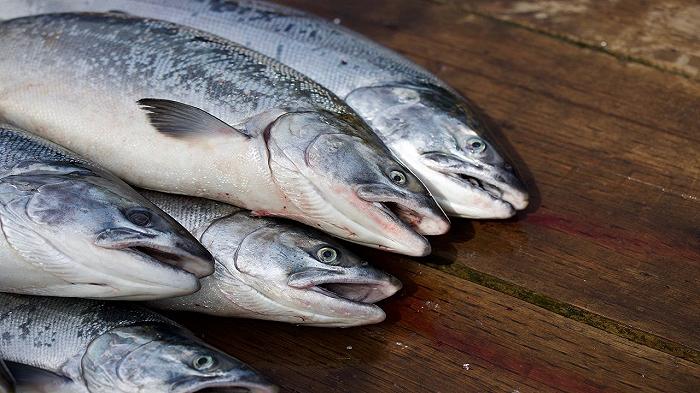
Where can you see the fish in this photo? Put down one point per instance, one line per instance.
(270, 268)
(98, 346)
(173, 109)
(70, 228)
(427, 124)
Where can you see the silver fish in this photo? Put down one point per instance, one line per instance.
(111, 347)
(268, 268)
(70, 228)
(173, 109)
(428, 125)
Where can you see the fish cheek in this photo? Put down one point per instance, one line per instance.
(64, 204)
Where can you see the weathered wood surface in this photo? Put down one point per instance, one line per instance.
(665, 33)
(611, 150)
(447, 335)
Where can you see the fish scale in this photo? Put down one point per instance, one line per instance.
(32, 335)
(18, 147)
(173, 109)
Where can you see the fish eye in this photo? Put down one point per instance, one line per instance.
(398, 177)
(141, 218)
(476, 145)
(327, 254)
(203, 362)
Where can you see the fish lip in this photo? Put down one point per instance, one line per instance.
(400, 212)
(172, 257)
(380, 288)
(256, 386)
(511, 191)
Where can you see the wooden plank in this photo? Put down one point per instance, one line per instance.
(447, 335)
(611, 151)
(665, 33)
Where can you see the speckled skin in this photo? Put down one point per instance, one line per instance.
(53, 333)
(414, 112)
(103, 347)
(60, 216)
(256, 259)
(86, 72)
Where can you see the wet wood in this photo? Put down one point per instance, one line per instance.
(610, 150)
(447, 335)
(665, 34)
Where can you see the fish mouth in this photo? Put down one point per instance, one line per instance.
(237, 388)
(423, 216)
(489, 181)
(255, 385)
(357, 291)
(172, 257)
(175, 252)
(353, 297)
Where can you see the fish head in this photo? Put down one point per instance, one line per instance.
(111, 232)
(159, 357)
(352, 185)
(298, 274)
(439, 137)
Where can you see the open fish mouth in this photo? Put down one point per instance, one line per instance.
(171, 257)
(238, 388)
(492, 182)
(253, 385)
(361, 291)
(422, 216)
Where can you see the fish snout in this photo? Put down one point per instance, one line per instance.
(419, 210)
(496, 182)
(178, 250)
(362, 284)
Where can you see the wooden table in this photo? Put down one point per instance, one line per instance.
(597, 286)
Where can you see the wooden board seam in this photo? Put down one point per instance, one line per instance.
(572, 312)
(566, 39)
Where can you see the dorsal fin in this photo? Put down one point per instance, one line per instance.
(185, 121)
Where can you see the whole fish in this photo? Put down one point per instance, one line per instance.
(428, 125)
(174, 109)
(268, 268)
(111, 347)
(70, 228)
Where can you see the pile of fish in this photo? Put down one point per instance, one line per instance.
(276, 117)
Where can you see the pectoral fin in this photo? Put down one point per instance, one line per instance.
(180, 120)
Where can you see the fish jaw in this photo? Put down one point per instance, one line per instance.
(425, 216)
(379, 226)
(183, 253)
(126, 274)
(497, 183)
(342, 297)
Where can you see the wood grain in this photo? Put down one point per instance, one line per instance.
(448, 335)
(664, 34)
(610, 150)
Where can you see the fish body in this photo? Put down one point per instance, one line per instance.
(174, 109)
(111, 347)
(427, 124)
(268, 268)
(69, 228)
